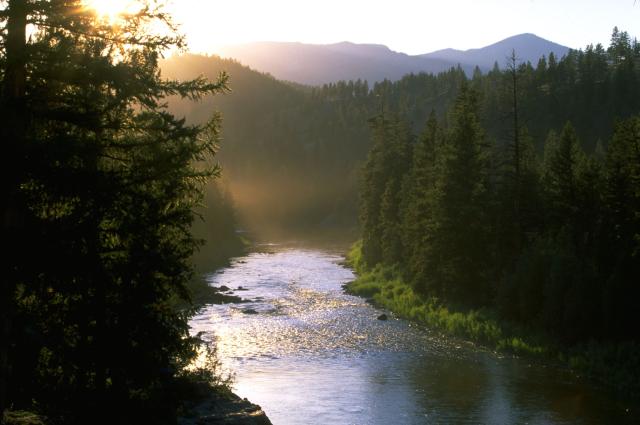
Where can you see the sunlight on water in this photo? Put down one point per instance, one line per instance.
(310, 354)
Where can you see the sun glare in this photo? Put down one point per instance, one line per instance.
(111, 10)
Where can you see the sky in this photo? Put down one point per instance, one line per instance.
(407, 26)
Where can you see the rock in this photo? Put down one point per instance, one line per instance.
(240, 288)
(249, 311)
(382, 317)
(226, 299)
(225, 410)
(224, 288)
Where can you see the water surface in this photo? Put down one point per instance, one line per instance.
(310, 354)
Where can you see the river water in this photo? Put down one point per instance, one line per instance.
(310, 354)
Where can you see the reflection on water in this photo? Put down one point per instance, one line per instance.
(310, 354)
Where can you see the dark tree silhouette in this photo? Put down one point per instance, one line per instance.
(100, 183)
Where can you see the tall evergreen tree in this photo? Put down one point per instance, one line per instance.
(563, 158)
(461, 222)
(13, 127)
(107, 181)
(417, 214)
(383, 173)
(622, 243)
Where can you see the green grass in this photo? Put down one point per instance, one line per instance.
(386, 289)
(614, 365)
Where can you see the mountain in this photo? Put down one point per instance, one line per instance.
(316, 64)
(528, 48)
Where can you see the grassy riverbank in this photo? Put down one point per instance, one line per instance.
(617, 366)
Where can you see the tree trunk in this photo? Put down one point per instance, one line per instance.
(13, 111)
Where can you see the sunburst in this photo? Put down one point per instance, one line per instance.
(112, 10)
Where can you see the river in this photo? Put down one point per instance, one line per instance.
(310, 354)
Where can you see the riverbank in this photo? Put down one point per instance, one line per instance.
(615, 366)
(211, 408)
(218, 405)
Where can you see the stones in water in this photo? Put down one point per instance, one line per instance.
(383, 317)
(249, 311)
(224, 288)
(226, 299)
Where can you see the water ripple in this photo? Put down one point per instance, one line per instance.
(310, 354)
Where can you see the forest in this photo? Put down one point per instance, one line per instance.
(292, 154)
(540, 225)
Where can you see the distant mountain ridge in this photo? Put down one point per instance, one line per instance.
(316, 64)
(528, 48)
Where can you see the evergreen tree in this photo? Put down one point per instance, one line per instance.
(107, 181)
(461, 222)
(621, 247)
(13, 128)
(563, 158)
(419, 195)
(391, 242)
(386, 165)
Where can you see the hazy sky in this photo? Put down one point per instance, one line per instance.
(410, 26)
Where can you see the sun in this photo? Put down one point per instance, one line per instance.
(112, 10)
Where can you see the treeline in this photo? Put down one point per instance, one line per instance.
(99, 187)
(292, 153)
(548, 238)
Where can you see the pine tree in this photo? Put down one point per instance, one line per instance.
(13, 128)
(563, 157)
(373, 184)
(417, 214)
(391, 242)
(108, 181)
(461, 222)
(622, 242)
(383, 174)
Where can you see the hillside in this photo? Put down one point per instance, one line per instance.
(277, 140)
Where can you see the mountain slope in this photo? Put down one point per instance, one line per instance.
(315, 64)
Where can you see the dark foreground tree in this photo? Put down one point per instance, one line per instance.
(99, 186)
